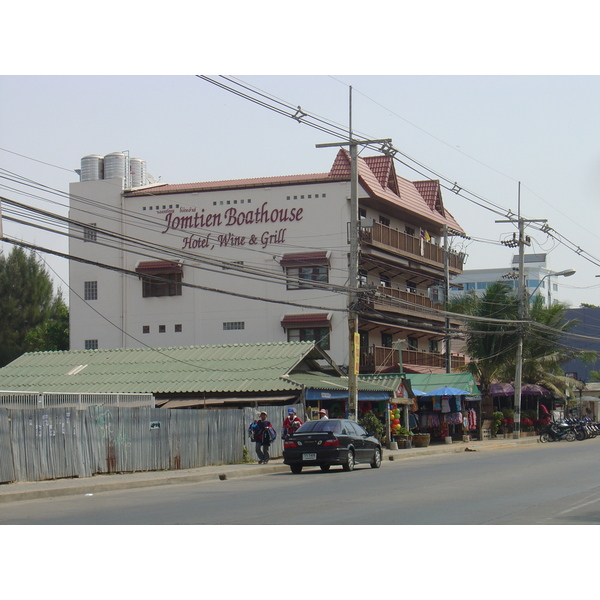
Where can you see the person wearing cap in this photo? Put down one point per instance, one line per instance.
(323, 414)
(262, 437)
(291, 423)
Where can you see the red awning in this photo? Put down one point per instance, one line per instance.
(305, 258)
(307, 320)
(159, 266)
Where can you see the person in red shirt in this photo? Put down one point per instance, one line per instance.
(291, 423)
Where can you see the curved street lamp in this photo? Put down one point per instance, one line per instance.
(565, 273)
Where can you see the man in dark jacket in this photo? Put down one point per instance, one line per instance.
(263, 438)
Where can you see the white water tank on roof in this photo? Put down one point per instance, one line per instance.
(92, 168)
(115, 166)
(137, 172)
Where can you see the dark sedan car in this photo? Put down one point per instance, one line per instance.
(331, 442)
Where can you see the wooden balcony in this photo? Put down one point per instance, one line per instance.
(407, 245)
(376, 358)
(410, 303)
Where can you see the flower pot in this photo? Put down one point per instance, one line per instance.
(403, 441)
(421, 440)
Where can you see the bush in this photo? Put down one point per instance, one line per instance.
(372, 424)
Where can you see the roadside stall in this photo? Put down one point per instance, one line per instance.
(447, 407)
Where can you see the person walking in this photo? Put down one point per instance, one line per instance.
(291, 423)
(263, 438)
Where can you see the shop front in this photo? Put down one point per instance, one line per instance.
(447, 407)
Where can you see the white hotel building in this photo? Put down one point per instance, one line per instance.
(259, 260)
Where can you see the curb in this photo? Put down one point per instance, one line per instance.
(14, 492)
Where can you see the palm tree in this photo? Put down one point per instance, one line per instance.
(491, 335)
(543, 349)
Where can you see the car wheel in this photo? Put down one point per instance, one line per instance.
(296, 469)
(376, 462)
(325, 467)
(349, 464)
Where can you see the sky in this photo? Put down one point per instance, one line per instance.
(500, 137)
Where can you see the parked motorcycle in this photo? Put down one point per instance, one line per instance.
(555, 432)
(580, 429)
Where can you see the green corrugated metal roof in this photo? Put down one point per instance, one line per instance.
(323, 381)
(428, 382)
(195, 369)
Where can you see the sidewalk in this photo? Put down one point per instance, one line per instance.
(12, 492)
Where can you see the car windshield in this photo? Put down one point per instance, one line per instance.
(321, 425)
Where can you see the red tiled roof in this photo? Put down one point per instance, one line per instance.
(377, 176)
(430, 190)
(306, 320)
(404, 194)
(230, 184)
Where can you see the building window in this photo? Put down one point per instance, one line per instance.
(411, 287)
(90, 290)
(384, 281)
(434, 346)
(362, 277)
(386, 340)
(232, 325)
(384, 221)
(165, 284)
(90, 344)
(300, 277)
(145, 328)
(89, 233)
(362, 213)
(162, 329)
(310, 334)
(482, 285)
(160, 278)
(409, 231)
(178, 328)
(412, 343)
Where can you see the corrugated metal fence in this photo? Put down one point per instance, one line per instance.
(51, 443)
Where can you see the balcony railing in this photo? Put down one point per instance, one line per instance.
(381, 235)
(376, 358)
(411, 302)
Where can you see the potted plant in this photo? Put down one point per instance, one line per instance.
(402, 436)
(421, 440)
(508, 421)
(372, 424)
(496, 422)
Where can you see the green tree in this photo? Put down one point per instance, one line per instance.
(53, 334)
(28, 305)
(543, 348)
(491, 341)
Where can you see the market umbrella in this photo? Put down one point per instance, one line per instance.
(448, 391)
(418, 392)
(502, 389)
(532, 389)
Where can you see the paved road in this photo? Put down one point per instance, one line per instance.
(544, 484)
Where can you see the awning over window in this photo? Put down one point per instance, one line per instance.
(305, 258)
(154, 267)
(306, 320)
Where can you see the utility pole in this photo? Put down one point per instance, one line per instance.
(522, 307)
(353, 283)
(446, 300)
